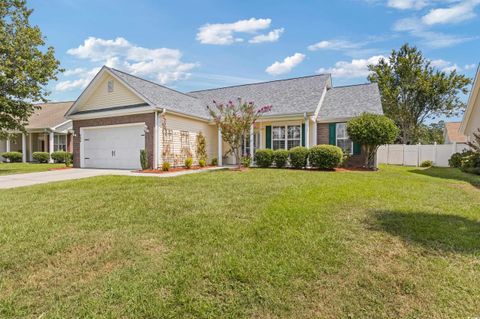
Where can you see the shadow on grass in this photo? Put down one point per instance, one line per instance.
(435, 232)
(449, 173)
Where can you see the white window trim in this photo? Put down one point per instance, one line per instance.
(56, 143)
(346, 137)
(286, 139)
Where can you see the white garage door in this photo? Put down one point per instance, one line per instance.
(113, 147)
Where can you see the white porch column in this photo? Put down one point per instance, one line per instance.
(24, 148)
(30, 147)
(155, 143)
(50, 145)
(8, 145)
(307, 132)
(314, 142)
(220, 141)
(252, 136)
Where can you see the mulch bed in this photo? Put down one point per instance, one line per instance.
(173, 169)
(59, 168)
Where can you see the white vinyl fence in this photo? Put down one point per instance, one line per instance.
(414, 155)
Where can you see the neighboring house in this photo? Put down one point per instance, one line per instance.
(47, 131)
(471, 118)
(451, 133)
(118, 114)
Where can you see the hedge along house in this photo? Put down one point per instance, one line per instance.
(47, 131)
(119, 114)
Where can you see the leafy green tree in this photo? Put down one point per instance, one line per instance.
(371, 131)
(26, 66)
(429, 134)
(412, 90)
(235, 120)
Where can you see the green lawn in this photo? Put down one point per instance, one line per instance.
(19, 168)
(398, 243)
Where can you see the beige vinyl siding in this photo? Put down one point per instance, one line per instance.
(100, 98)
(178, 124)
(474, 121)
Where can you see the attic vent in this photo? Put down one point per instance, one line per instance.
(110, 86)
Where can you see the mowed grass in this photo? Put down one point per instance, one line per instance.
(267, 243)
(20, 168)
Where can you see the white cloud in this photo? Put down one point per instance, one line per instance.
(224, 33)
(447, 66)
(272, 36)
(335, 45)
(83, 77)
(354, 69)
(429, 38)
(454, 14)
(286, 65)
(407, 4)
(162, 65)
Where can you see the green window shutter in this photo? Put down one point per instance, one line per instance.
(268, 137)
(357, 149)
(303, 134)
(332, 133)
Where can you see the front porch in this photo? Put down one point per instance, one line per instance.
(37, 141)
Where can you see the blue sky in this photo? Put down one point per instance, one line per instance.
(191, 45)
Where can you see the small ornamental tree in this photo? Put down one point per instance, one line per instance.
(371, 131)
(234, 121)
(201, 147)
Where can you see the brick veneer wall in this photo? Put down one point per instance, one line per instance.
(148, 118)
(323, 138)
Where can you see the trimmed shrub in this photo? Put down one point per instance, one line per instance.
(214, 161)
(264, 157)
(202, 163)
(325, 156)
(427, 163)
(246, 161)
(298, 156)
(165, 166)
(471, 163)
(62, 157)
(144, 159)
(13, 157)
(41, 157)
(280, 157)
(456, 159)
(188, 162)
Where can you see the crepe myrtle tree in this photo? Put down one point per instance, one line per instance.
(235, 120)
(371, 131)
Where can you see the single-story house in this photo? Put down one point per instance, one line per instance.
(47, 131)
(118, 114)
(451, 133)
(471, 118)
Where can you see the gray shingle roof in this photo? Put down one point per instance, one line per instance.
(351, 101)
(48, 115)
(162, 96)
(291, 96)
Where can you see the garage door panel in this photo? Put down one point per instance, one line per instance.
(113, 147)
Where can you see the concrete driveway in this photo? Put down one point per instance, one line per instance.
(19, 180)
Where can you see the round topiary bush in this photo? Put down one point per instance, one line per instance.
(280, 157)
(325, 156)
(41, 157)
(264, 157)
(62, 157)
(456, 159)
(298, 156)
(427, 163)
(13, 157)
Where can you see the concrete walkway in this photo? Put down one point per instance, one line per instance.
(19, 180)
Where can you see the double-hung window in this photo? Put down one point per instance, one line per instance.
(59, 142)
(342, 140)
(286, 137)
(278, 137)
